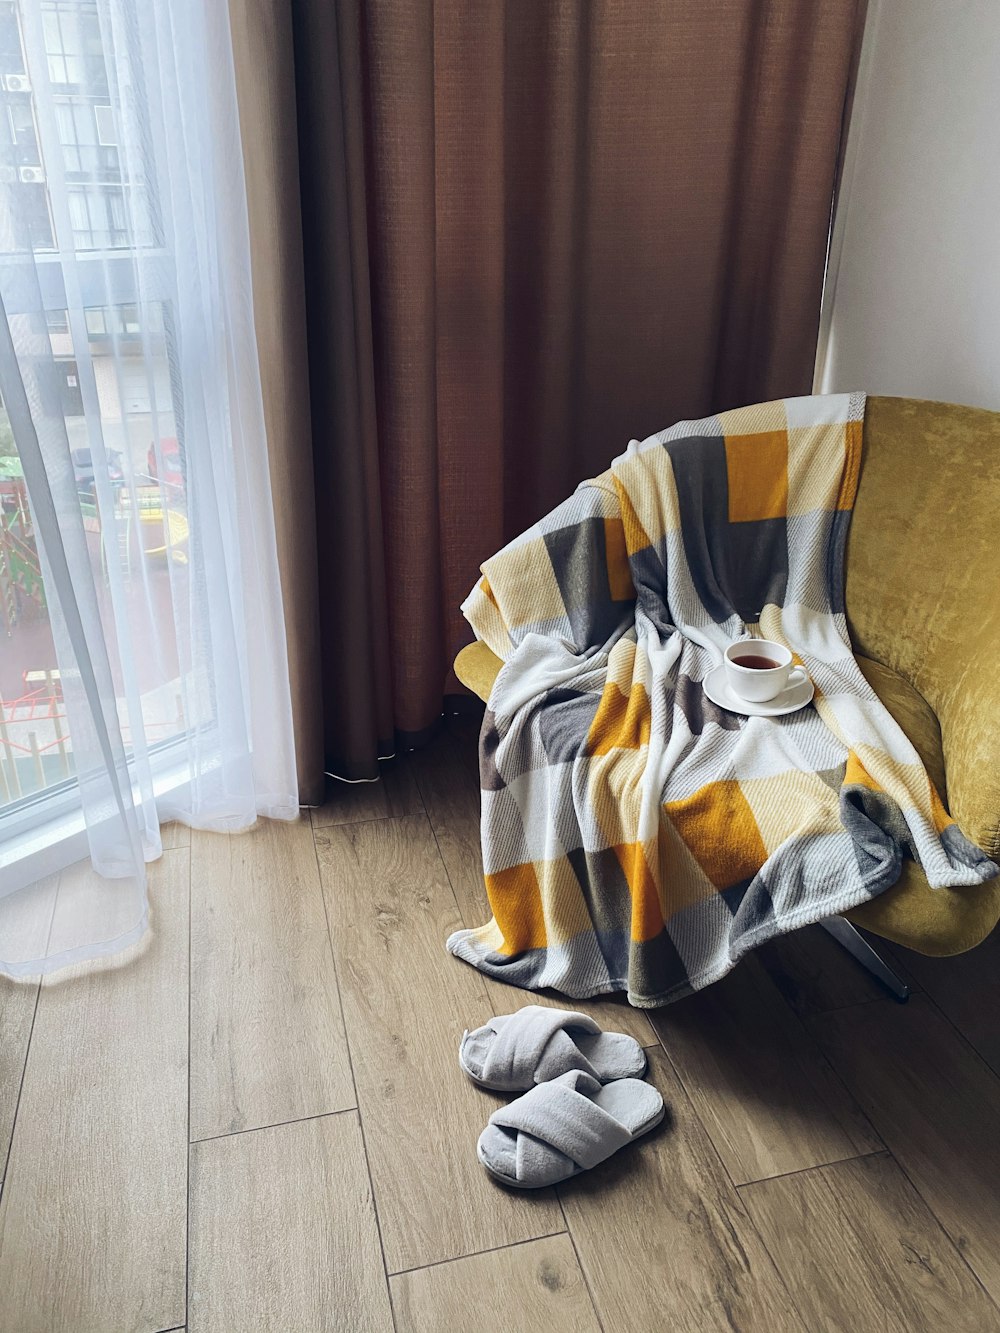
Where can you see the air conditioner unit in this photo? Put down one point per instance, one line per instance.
(32, 175)
(17, 83)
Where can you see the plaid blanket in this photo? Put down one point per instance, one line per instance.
(635, 836)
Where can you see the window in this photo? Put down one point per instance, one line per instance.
(132, 491)
(33, 221)
(87, 157)
(106, 132)
(11, 54)
(84, 157)
(23, 135)
(33, 751)
(73, 46)
(144, 506)
(142, 561)
(97, 216)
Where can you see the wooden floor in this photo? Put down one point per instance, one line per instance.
(257, 1121)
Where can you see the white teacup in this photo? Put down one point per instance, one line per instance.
(759, 669)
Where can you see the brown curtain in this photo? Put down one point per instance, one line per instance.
(532, 231)
(265, 85)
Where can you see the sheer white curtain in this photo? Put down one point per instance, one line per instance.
(143, 673)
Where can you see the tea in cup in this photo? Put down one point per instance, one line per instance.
(760, 669)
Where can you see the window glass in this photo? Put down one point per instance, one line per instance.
(113, 386)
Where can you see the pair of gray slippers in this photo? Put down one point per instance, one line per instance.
(585, 1095)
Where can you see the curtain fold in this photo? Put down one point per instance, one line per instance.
(143, 669)
(531, 232)
(265, 83)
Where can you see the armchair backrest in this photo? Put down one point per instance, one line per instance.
(923, 581)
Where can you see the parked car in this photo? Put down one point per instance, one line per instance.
(173, 463)
(83, 468)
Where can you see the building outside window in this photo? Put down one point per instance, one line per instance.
(61, 156)
(74, 48)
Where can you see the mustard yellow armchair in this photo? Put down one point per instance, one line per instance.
(923, 604)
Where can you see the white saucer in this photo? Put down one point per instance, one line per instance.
(790, 700)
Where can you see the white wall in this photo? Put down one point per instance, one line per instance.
(912, 304)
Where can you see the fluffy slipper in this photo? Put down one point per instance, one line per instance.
(537, 1044)
(559, 1129)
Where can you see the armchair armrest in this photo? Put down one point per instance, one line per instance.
(477, 667)
(970, 739)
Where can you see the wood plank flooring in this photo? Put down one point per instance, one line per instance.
(665, 1239)
(94, 1206)
(289, 1209)
(936, 1105)
(255, 1120)
(17, 1013)
(865, 1219)
(764, 1091)
(534, 1288)
(267, 1038)
(406, 1005)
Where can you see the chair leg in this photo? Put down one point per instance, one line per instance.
(856, 945)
